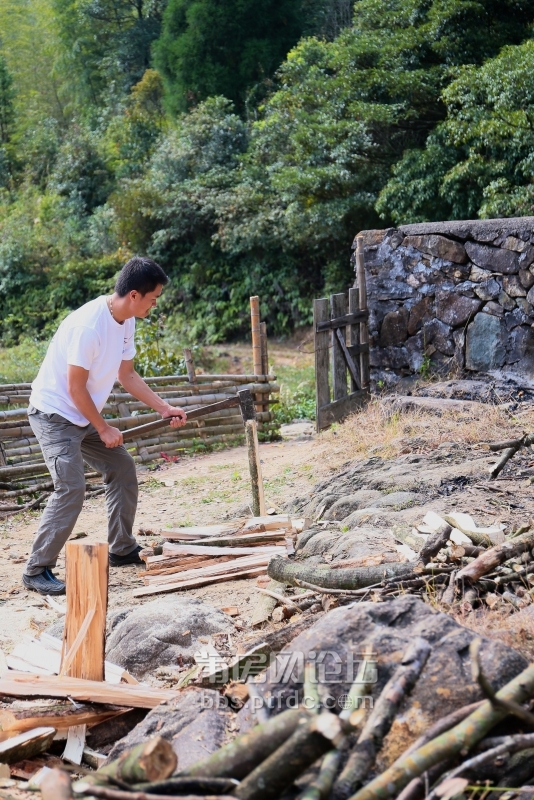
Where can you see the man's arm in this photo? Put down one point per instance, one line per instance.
(77, 388)
(134, 384)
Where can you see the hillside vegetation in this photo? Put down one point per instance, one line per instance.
(243, 145)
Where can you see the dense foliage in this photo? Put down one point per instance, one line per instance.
(243, 146)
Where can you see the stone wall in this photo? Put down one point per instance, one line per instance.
(456, 296)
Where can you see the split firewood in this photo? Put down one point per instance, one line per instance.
(363, 755)
(463, 736)
(56, 785)
(435, 542)
(285, 571)
(60, 716)
(149, 761)
(311, 740)
(26, 745)
(494, 556)
(266, 603)
(320, 787)
(240, 757)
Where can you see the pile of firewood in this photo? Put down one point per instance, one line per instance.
(265, 762)
(469, 574)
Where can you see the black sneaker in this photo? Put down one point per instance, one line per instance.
(44, 583)
(124, 561)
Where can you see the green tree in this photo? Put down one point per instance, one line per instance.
(479, 161)
(210, 47)
(7, 94)
(106, 46)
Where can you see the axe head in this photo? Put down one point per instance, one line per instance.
(246, 404)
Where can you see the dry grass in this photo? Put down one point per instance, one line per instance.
(379, 430)
(513, 628)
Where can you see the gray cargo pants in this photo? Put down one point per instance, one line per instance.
(65, 447)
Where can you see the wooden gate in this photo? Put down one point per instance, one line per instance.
(340, 324)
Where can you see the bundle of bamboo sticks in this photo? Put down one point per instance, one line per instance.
(21, 461)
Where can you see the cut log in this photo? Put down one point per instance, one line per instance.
(239, 757)
(59, 716)
(20, 684)
(310, 741)
(192, 583)
(56, 785)
(494, 556)
(270, 522)
(434, 543)
(26, 745)
(85, 620)
(154, 760)
(285, 571)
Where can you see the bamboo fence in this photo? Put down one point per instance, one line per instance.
(21, 460)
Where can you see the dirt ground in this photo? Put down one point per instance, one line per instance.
(209, 488)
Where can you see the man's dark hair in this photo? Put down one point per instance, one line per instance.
(140, 274)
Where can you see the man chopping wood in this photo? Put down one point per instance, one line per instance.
(92, 347)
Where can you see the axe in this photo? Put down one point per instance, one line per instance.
(244, 401)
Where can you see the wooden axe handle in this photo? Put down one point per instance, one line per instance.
(132, 433)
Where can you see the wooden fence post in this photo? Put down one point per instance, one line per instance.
(354, 306)
(321, 313)
(87, 600)
(339, 366)
(256, 334)
(364, 331)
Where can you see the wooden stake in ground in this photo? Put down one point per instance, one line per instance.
(190, 367)
(85, 621)
(256, 477)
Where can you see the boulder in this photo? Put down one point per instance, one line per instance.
(419, 313)
(194, 724)
(530, 296)
(438, 246)
(394, 328)
(517, 344)
(440, 335)
(494, 309)
(478, 275)
(487, 290)
(351, 502)
(513, 243)
(494, 258)
(485, 348)
(335, 644)
(394, 500)
(514, 318)
(157, 633)
(513, 286)
(454, 309)
(506, 302)
(526, 278)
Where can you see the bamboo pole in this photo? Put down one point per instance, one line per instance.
(87, 599)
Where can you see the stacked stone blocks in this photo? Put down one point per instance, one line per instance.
(454, 295)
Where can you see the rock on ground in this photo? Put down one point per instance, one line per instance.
(335, 644)
(194, 724)
(156, 634)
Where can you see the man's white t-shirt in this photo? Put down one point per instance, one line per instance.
(90, 338)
